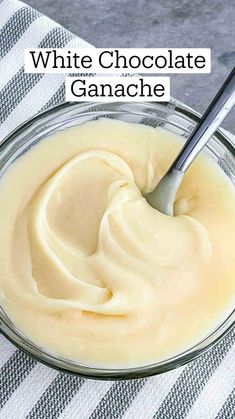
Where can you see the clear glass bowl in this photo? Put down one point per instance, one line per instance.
(173, 116)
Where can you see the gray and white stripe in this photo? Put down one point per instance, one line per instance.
(117, 400)
(192, 380)
(33, 391)
(22, 82)
(13, 373)
(228, 409)
(56, 397)
(15, 27)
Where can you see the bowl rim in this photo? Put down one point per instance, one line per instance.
(61, 364)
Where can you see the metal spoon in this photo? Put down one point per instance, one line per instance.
(163, 196)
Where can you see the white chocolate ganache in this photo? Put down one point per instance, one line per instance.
(89, 270)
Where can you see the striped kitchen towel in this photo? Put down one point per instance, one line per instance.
(204, 389)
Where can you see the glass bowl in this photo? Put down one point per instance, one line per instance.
(173, 116)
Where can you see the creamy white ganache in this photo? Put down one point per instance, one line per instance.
(89, 270)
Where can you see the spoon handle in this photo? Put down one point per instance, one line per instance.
(213, 117)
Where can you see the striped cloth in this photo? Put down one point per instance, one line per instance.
(204, 389)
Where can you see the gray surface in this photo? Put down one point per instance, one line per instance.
(158, 23)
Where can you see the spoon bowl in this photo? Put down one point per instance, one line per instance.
(163, 196)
